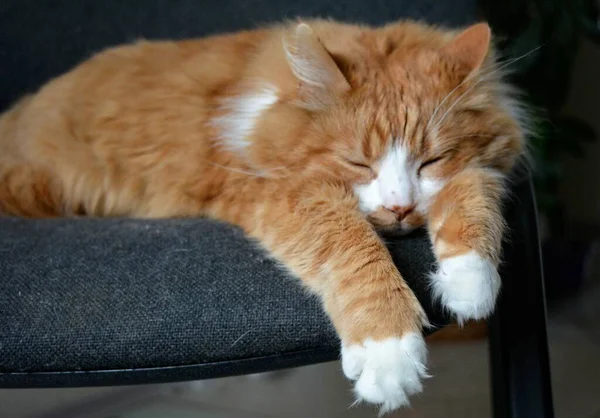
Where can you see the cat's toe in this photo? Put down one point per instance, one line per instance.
(391, 370)
(467, 285)
(353, 360)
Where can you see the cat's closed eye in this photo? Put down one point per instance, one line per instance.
(431, 162)
(361, 167)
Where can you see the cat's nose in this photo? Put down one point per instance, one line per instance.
(402, 211)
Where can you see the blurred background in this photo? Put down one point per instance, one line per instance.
(560, 79)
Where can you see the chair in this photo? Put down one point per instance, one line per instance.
(118, 301)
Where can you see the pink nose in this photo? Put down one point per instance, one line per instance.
(402, 211)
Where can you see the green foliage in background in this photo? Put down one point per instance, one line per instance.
(556, 27)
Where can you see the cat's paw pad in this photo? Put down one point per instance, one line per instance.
(388, 371)
(467, 285)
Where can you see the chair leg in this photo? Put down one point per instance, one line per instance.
(518, 344)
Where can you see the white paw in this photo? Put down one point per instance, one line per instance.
(467, 285)
(387, 372)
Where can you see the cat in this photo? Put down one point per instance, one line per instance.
(312, 136)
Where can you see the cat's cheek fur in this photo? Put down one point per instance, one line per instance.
(467, 285)
(387, 372)
(430, 187)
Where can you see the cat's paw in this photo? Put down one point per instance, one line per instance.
(467, 285)
(388, 371)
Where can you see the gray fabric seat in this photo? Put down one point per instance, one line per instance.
(93, 295)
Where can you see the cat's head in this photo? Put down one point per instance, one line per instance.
(396, 111)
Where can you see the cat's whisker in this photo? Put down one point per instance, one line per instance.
(452, 138)
(483, 74)
(234, 170)
(485, 77)
(474, 74)
(246, 172)
(271, 170)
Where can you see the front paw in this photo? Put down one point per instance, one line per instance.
(387, 371)
(467, 285)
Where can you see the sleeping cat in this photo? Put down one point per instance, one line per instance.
(309, 136)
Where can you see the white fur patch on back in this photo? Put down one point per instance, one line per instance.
(388, 371)
(241, 115)
(467, 285)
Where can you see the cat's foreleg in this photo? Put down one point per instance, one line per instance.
(323, 238)
(466, 228)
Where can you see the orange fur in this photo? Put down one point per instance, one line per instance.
(137, 131)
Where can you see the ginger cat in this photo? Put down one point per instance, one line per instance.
(309, 136)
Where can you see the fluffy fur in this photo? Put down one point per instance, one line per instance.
(307, 136)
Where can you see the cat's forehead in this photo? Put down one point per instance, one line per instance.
(382, 124)
(422, 123)
(403, 98)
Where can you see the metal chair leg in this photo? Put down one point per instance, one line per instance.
(518, 345)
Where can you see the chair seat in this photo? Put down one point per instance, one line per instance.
(84, 301)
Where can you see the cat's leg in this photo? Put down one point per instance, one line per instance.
(29, 192)
(324, 239)
(466, 228)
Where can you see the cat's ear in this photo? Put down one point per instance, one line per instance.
(471, 46)
(318, 75)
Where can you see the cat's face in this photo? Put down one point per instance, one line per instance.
(403, 153)
(411, 120)
(400, 187)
